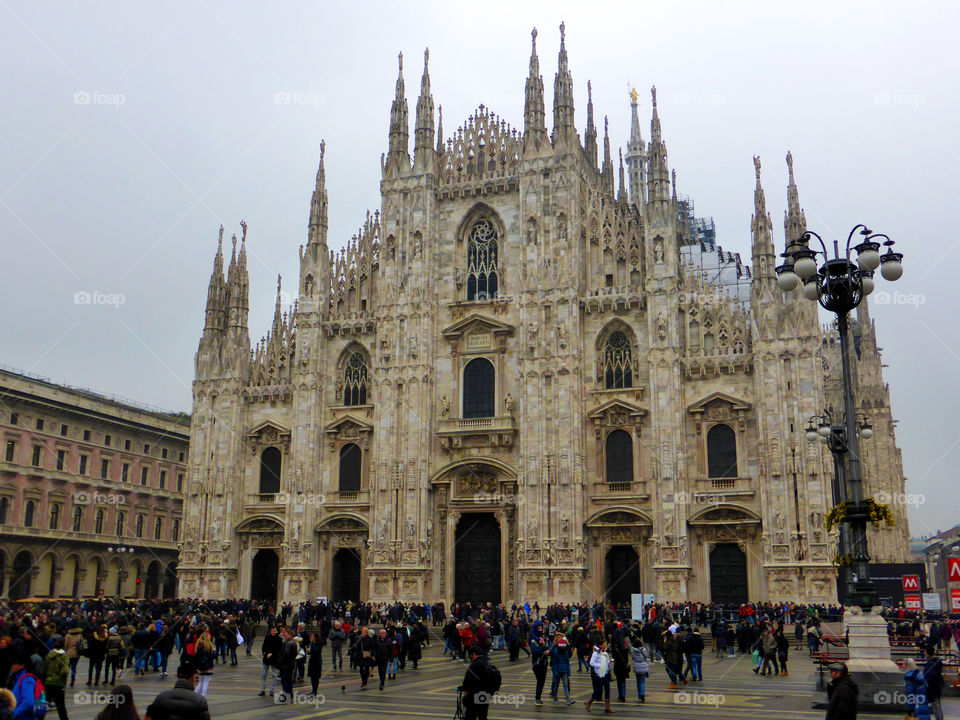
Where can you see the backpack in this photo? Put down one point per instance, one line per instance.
(40, 704)
(491, 678)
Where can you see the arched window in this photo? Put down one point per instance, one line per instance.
(4, 506)
(721, 452)
(619, 457)
(28, 514)
(138, 530)
(616, 367)
(98, 522)
(479, 387)
(351, 458)
(355, 380)
(483, 261)
(77, 519)
(270, 461)
(55, 516)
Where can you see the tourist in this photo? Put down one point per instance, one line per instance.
(480, 682)
(337, 638)
(560, 661)
(120, 705)
(539, 654)
(600, 667)
(841, 694)
(270, 649)
(620, 654)
(315, 664)
(206, 656)
(693, 648)
(783, 650)
(96, 652)
(286, 664)
(364, 654)
(672, 659)
(640, 659)
(56, 668)
(7, 703)
(933, 679)
(24, 686)
(73, 644)
(115, 656)
(182, 701)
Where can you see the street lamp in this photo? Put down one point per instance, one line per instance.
(839, 284)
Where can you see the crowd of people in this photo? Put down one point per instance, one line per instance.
(42, 645)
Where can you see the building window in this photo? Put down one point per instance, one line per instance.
(121, 522)
(4, 506)
(619, 451)
(86, 436)
(355, 380)
(483, 261)
(138, 530)
(351, 462)
(163, 479)
(11, 450)
(176, 529)
(721, 452)
(179, 482)
(163, 453)
(126, 444)
(55, 516)
(14, 418)
(77, 519)
(479, 388)
(104, 469)
(36, 455)
(270, 464)
(144, 476)
(61, 458)
(124, 472)
(106, 440)
(617, 362)
(82, 467)
(63, 430)
(158, 528)
(98, 522)
(181, 457)
(28, 513)
(39, 423)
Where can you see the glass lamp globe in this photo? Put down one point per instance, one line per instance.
(866, 432)
(869, 260)
(810, 290)
(866, 281)
(805, 267)
(892, 268)
(812, 435)
(825, 431)
(824, 439)
(788, 280)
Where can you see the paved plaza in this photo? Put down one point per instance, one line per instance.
(729, 690)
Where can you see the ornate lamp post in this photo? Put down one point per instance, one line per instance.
(839, 284)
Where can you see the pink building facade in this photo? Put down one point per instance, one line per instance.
(91, 493)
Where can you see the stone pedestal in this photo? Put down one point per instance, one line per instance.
(878, 678)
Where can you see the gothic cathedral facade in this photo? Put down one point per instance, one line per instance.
(524, 380)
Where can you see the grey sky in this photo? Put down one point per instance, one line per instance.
(130, 133)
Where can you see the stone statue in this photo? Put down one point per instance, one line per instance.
(779, 519)
(215, 528)
(444, 406)
(508, 404)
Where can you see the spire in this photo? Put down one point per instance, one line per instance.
(622, 190)
(794, 222)
(636, 156)
(563, 128)
(277, 312)
(318, 205)
(423, 139)
(658, 176)
(440, 131)
(761, 232)
(534, 128)
(673, 184)
(606, 172)
(590, 133)
(214, 313)
(398, 158)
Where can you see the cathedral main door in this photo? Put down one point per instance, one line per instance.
(477, 559)
(266, 573)
(346, 575)
(728, 574)
(622, 573)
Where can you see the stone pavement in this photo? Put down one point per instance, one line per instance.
(730, 690)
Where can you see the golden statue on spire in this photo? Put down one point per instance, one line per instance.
(633, 95)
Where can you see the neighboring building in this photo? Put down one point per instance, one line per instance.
(83, 475)
(519, 383)
(937, 553)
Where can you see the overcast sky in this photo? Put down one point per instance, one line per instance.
(129, 133)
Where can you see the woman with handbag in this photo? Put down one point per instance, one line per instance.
(363, 652)
(206, 655)
(600, 666)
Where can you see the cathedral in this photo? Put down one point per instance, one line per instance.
(532, 375)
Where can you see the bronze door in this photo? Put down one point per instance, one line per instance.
(728, 574)
(477, 559)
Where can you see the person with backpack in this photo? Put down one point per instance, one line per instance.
(480, 682)
(56, 667)
(640, 658)
(27, 691)
(600, 666)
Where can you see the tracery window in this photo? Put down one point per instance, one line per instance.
(721, 452)
(617, 362)
(479, 386)
(483, 261)
(355, 380)
(619, 457)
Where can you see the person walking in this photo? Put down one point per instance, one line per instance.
(640, 658)
(933, 679)
(56, 668)
(315, 662)
(73, 645)
(96, 651)
(783, 650)
(205, 658)
(480, 682)
(620, 653)
(841, 694)
(693, 646)
(181, 701)
(560, 660)
(337, 638)
(672, 658)
(115, 656)
(270, 650)
(600, 667)
(364, 654)
(286, 664)
(539, 654)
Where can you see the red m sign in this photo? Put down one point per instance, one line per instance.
(953, 565)
(911, 583)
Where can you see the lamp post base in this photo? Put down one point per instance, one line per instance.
(879, 681)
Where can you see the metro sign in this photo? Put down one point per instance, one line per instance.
(953, 567)
(912, 602)
(911, 583)
(955, 600)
